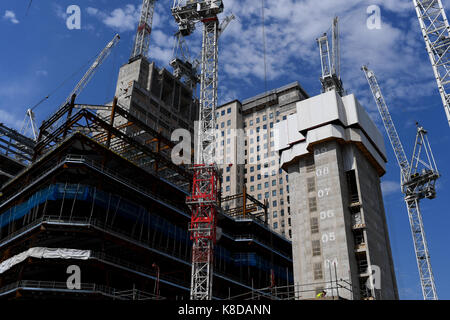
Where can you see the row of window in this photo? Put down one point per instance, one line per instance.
(222, 113)
(259, 187)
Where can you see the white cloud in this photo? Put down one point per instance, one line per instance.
(11, 16)
(42, 73)
(390, 187)
(395, 52)
(10, 120)
(60, 12)
(120, 19)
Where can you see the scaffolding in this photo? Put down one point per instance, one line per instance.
(15, 145)
(78, 187)
(130, 133)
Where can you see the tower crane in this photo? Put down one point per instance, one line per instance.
(144, 29)
(204, 201)
(436, 33)
(418, 179)
(330, 61)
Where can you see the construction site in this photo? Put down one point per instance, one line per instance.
(93, 206)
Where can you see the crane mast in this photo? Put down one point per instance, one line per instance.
(142, 40)
(204, 201)
(436, 33)
(417, 181)
(330, 61)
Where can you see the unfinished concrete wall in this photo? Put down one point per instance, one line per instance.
(335, 158)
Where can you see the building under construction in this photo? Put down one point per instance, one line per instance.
(97, 198)
(95, 207)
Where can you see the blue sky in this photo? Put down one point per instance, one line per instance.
(39, 53)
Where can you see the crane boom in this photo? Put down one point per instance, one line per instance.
(91, 71)
(436, 34)
(142, 40)
(391, 131)
(418, 182)
(79, 87)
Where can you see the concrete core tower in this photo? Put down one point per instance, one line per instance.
(335, 156)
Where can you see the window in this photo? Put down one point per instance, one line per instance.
(223, 112)
(274, 203)
(282, 212)
(259, 196)
(251, 123)
(259, 186)
(228, 122)
(274, 182)
(228, 169)
(274, 193)
(266, 184)
(229, 110)
(311, 183)
(264, 118)
(314, 225)
(228, 179)
(267, 195)
(252, 178)
(274, 214)
(316, 248)
(252, 188)
(257, 120)
(228, 188)
(318, 271)
(275, 225)
(222, 125)
(312, 202)
(252, 169)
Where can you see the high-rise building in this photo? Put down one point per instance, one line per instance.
(245, 145)
(335, 155)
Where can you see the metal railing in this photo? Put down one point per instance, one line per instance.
(90, 288)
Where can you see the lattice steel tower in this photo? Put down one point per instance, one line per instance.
(330, 61)
(204, 201)
(417, 181)
(436, 33)
(142, 40)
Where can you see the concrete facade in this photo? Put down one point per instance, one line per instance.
(334, 159)
(157, 96)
